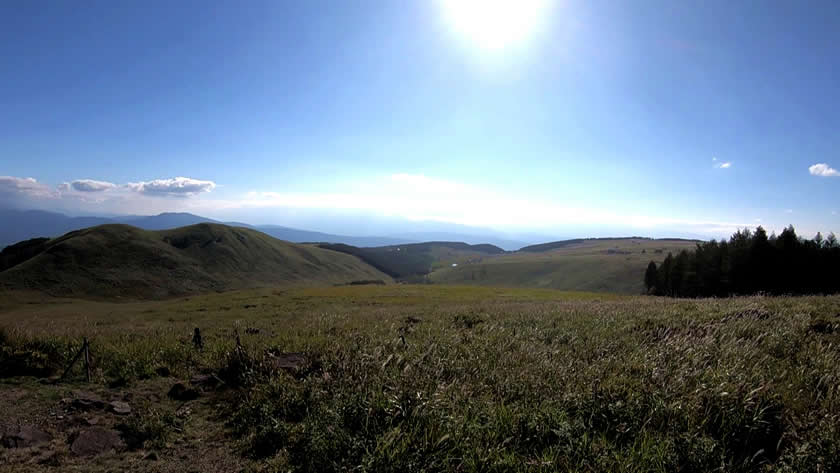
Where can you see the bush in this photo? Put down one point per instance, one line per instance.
(24, 356)
(150, 429)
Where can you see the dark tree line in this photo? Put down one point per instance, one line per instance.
(749, 263)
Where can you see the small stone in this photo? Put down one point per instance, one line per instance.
(86, 401)
(120, 408)
(95, 441)
(26, 436)
(183, 412)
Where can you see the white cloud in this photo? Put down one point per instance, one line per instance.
(25, 186)
(823, 170)
(177, 187)
(92, 196)
(723, 165)
(89, 185)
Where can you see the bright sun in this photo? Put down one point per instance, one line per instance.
(495, 24)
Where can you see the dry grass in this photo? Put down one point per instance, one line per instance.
(428, 378)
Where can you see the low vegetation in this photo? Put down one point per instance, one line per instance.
(447, 378)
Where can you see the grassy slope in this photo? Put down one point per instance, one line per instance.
(590, 265)
(487, 379)
(120, 260)
(413, 261)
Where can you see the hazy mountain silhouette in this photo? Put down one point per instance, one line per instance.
(19, 225)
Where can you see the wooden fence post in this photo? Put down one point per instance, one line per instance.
(75, 359)
(87, 359)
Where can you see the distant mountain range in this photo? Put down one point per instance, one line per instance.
(19, 225)
(462, 236)
(181, 253)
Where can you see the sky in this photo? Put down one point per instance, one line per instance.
(650, 117)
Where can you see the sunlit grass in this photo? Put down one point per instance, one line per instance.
(428, 378)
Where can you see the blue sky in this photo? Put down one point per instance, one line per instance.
(649, 117)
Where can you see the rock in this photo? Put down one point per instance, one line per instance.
(95, 441)
(48, 458)
(179, 392)
(120, 408)
(87, 401)
(25, 436)
(205, 381)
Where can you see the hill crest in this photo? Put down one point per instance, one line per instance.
(122, 260)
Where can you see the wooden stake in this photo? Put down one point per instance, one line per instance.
(87, 358)
(75, 359)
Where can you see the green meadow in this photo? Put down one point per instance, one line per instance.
(431, 378)
(610, 265)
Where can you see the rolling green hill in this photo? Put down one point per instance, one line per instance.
(603, 265)
(412, 262)
(120, 260)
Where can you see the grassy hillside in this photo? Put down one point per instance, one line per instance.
(602, 265)
(120, 260)
(413, 261)
(433, 378)
(554, 245)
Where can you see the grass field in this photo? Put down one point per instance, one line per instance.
(616, 266)
(433, 378)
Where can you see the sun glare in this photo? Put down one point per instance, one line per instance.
(495, 24)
